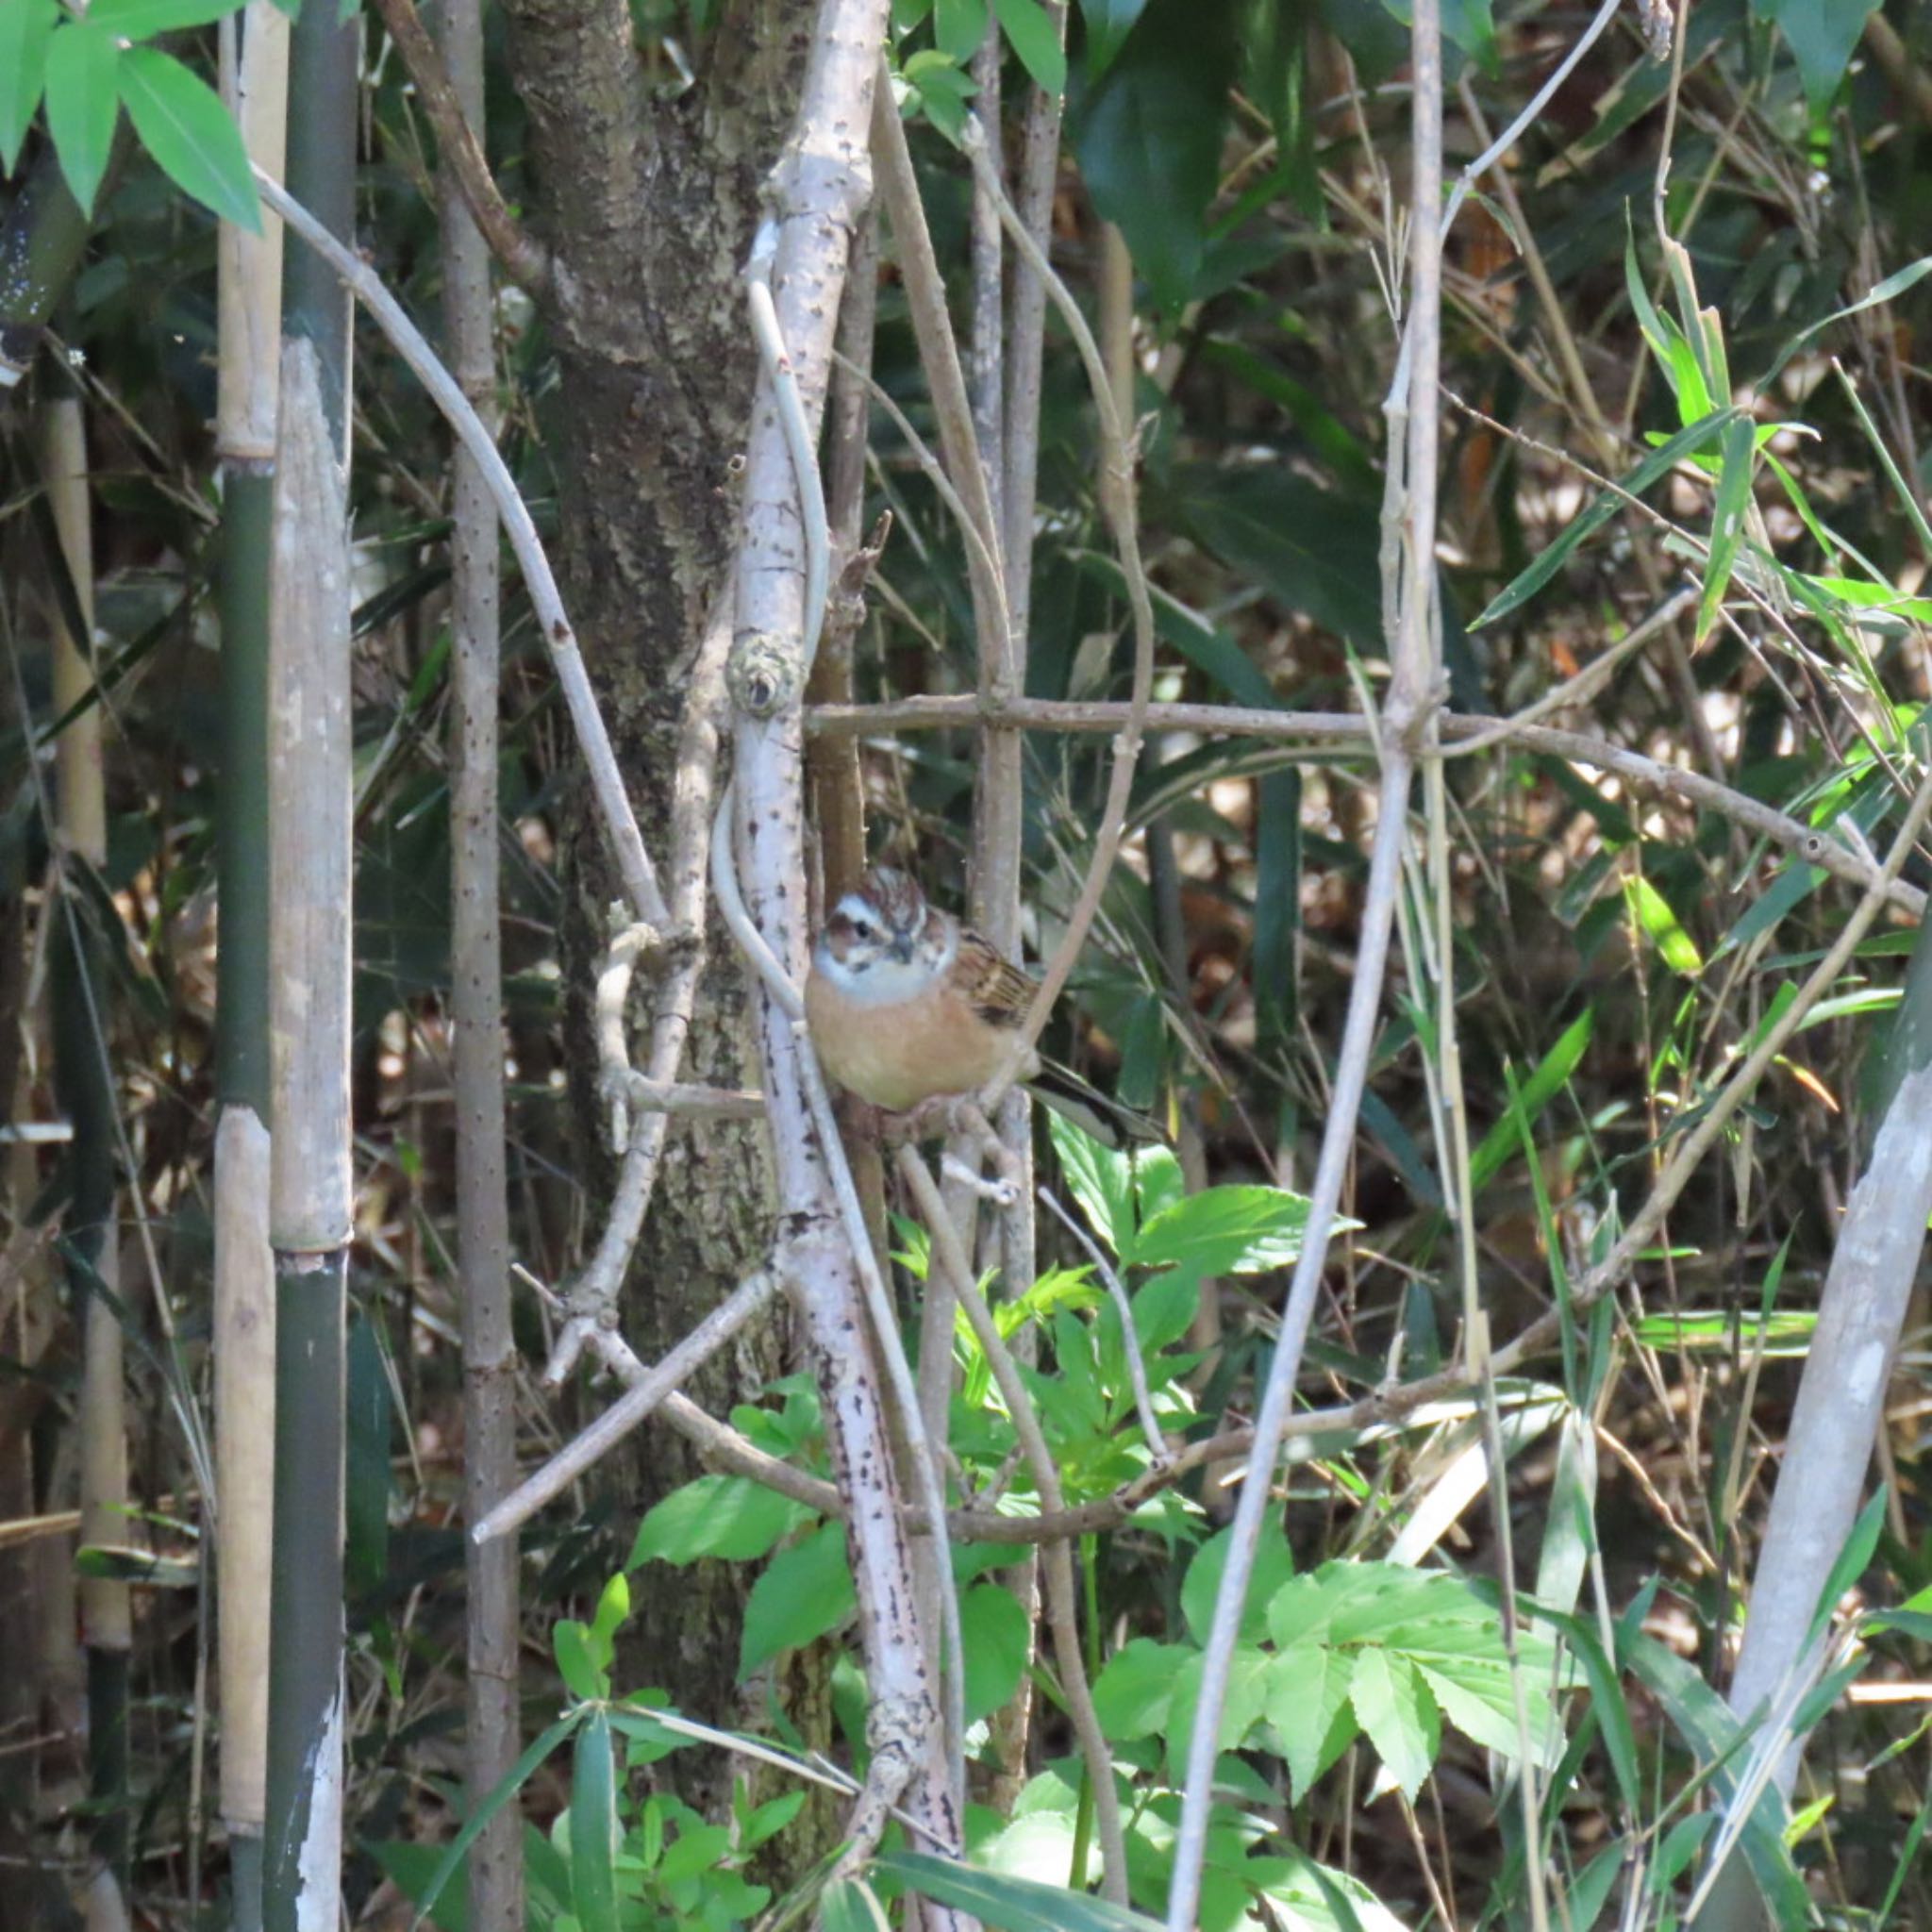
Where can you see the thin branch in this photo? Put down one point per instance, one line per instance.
(647, 1390)
(1812, 844)
(524, 259)
(606, 782)
(1057, 1563)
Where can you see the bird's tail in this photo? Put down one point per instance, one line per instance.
(1111, 1121)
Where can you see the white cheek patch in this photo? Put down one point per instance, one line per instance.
(886, 982)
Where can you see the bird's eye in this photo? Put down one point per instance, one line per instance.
(861, 929)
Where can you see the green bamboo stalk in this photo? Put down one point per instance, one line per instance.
(311, 1191)
(244, 1351)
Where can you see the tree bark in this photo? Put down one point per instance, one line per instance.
(649, 208)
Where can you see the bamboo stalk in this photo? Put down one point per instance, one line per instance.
(310, 1191)
(244, 1347)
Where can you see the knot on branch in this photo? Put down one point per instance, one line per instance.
(762, 673)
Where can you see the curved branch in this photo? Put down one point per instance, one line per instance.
(524, 259)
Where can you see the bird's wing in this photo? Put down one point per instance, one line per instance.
(997, 990)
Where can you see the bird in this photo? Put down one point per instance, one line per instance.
(906, 1005)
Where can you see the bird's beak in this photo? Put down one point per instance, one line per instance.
(901, 949)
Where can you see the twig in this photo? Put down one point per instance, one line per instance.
(524, 259)
(1812, 844)
(606, 782)
(1409, 606)
(1117, 501)
(1136, 1366)
(1057, 1563)
(646, 1392)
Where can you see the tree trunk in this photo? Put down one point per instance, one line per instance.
(649, 208)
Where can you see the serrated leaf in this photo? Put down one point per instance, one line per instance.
(1236, 1230)
(1399, 1716)
(806, 1590)
(183, 124)
(1102, 1181)
(725, 1516)
(83, 102)
(1134, 1691)
(141, 20)
(1031, 35)
(1737, 466)
(25, 26)
(1307, 1704)
(1201, 1586)
(593, 1829)
(1244, 1705)
(997, 1633)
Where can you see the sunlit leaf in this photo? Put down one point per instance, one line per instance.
(185, 127)
(25, 26)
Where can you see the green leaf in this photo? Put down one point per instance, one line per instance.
(613, 1606)
(1852, 1560)
(1821, 34)
(1543, 1087)
(500, 1794)
(1006, 1902)
(25, 26)
(1315, 551)
(1031, 35)
(185, 127)
(1238, 1229)
(957, 28)
(83, 101)
(806, 1590)
(716, 1516)
(699, 1850)
(1244, 1705)
(1148, 136)
(849, 1905)
(1307, 1704)
(1134, 1691)
(1737, 465)
(570, 1643)
(141, 20)
(1201, 1586)
(1108, 24)
(1653, 912)
(1687, 442)
(997, 1632)
(1395, 1709)
(593, 1829)
(1102, 1181)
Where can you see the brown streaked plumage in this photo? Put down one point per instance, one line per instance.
(906, 1005)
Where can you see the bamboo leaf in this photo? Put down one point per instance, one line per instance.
(141, 20)
(1737, 466)
(593, 1829)
(1687, 442)
(493, 1803)
(1543, 1087)
(1010, 1903)
(188, 132)
(83, 102)
(1654, 913)
(26, 27)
